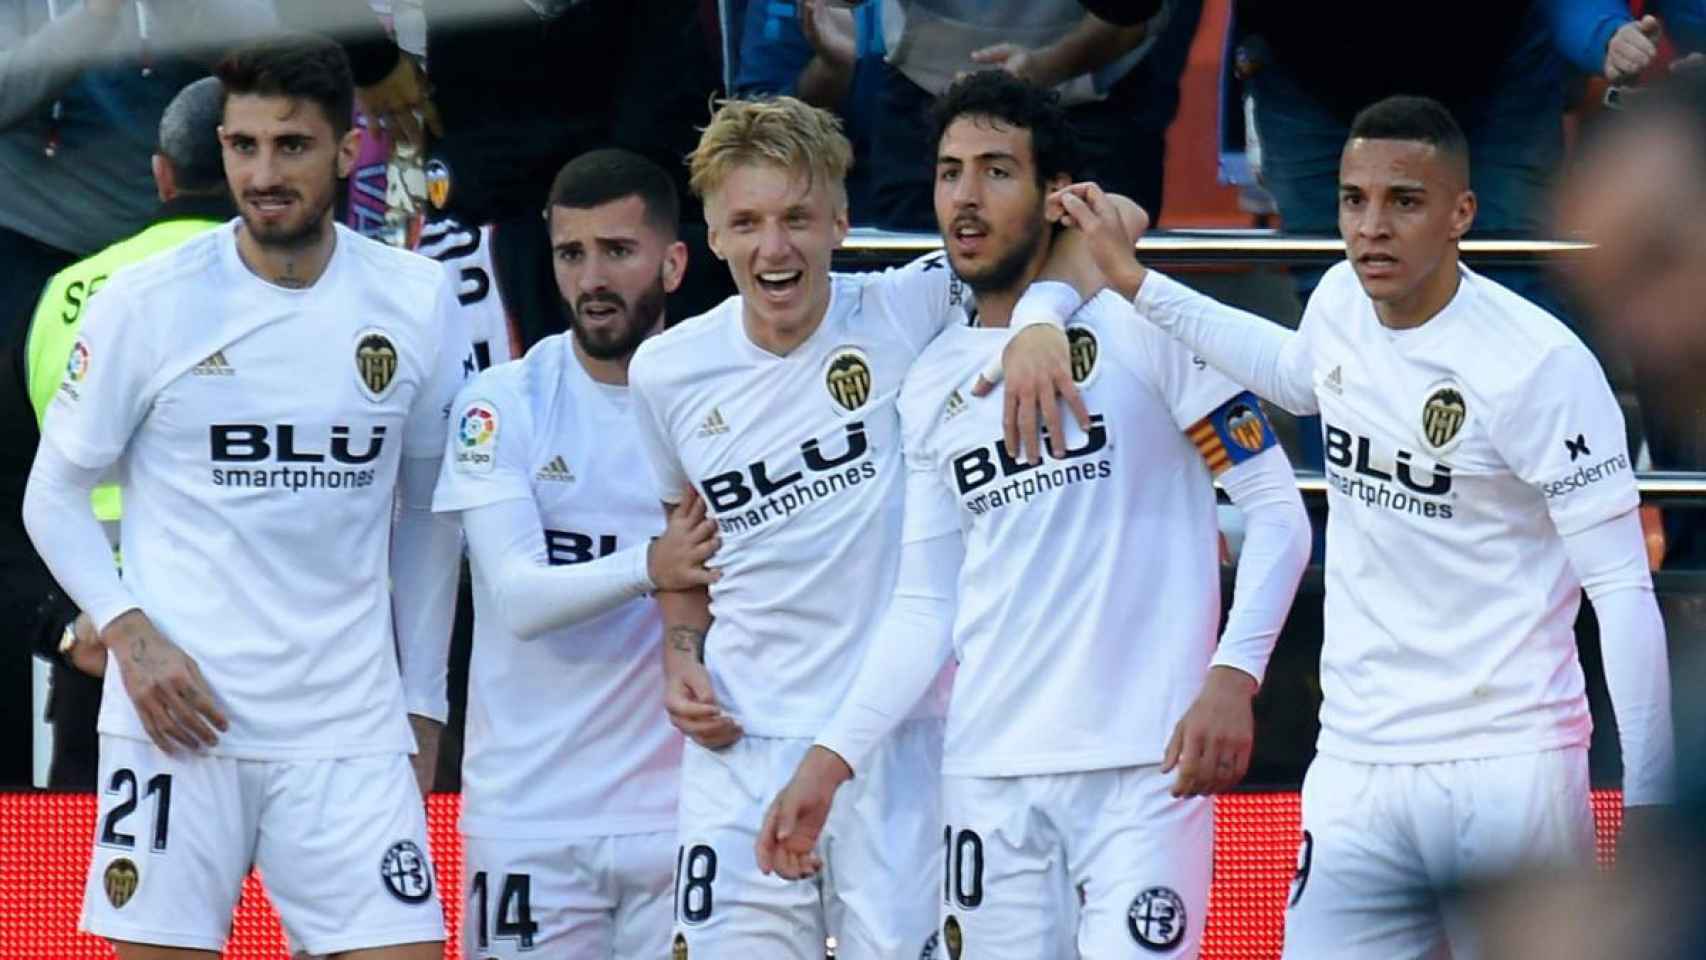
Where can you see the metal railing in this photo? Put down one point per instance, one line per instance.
(866, 245)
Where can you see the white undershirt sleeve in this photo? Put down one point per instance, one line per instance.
(1258, 354)
(1270, 565)
(507, 543)
(69, 539)
(426, 553)
(912, 642)
(1610, 558)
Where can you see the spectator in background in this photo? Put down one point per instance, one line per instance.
(82, 90)
(518, 88)
(828, 55)
(1118, 80)
(1636, 192)
(1493, 65)
(189, 179)
(1604, 38)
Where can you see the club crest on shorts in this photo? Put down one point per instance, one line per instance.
(406, 872)
(951, 938)
(437, 183)
(1084, 349)
(1245, 427)
(375, 363)
(848, 378)
(678, 948)
(1444, 413)
(1156, 919)
(120, 880)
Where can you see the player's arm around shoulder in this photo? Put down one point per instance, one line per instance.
(1036, 364)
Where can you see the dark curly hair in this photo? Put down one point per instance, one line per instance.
(1001, 96)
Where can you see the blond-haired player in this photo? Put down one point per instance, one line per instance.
(778, 407)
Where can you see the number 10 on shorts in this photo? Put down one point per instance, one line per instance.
(962, 873)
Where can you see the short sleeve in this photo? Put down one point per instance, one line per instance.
(423, 433)
(105, 392)
(655, 440)
(486, 451)
(1563, 434)
(920, 298)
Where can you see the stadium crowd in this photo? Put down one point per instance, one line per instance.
(588, 174)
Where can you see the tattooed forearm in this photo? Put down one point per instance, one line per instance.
(688, 640)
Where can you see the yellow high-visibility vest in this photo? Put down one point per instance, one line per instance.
(59, 315)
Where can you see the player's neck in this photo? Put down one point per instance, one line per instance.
(1424, 303)
(610, 372)
(995, 306)
(294, 266)
(783, 338)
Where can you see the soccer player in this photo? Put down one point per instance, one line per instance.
(1478, 483)
(265, 391)
(569, 770)
(778, 407)
(1066, 835)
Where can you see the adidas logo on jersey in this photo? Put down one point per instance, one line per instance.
(557, 470)
(213, 366)
(713, 424)
(1336, 380)
(956, 406)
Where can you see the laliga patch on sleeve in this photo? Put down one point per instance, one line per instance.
(1236, 431)
(76, 370)
(477, 438)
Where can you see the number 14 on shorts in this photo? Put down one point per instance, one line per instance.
(514, 917)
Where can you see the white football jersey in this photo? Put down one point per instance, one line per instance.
(1089, 598)
(798, 459)
(1457, 452)
(257, 432)
(567, 734)
(466, 253)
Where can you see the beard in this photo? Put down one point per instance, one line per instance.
(284, 237)
(614, 344)
(1006, 272)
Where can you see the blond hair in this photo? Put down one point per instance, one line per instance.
(780, 131)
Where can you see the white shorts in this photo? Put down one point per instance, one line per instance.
(1104, 863)
(341, 845)
(594, 897)
(881, 851)
(1383, 844)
